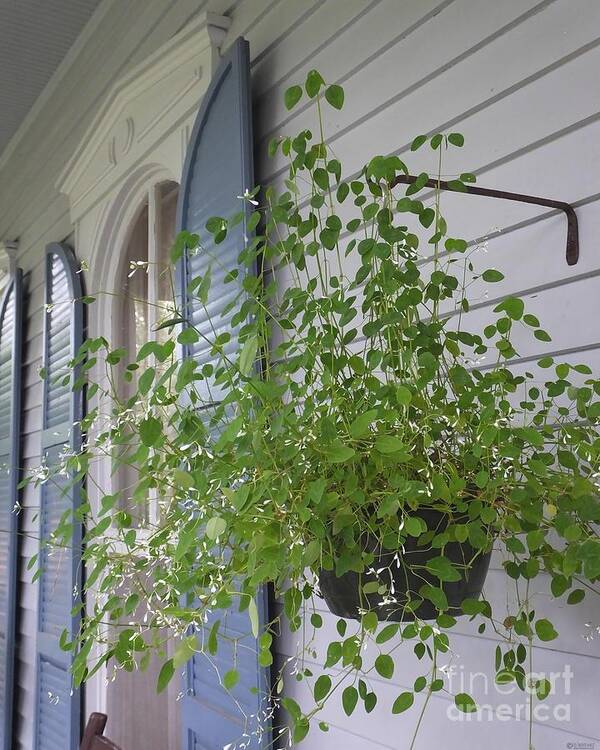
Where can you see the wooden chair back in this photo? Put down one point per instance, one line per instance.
(93, 738)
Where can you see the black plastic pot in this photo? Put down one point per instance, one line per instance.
(345, 597)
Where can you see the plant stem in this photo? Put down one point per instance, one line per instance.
(426, 702)
(530, 681)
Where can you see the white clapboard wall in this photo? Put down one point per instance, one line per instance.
(519, 79)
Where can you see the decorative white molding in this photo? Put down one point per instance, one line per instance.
(8, 256)
(120, 140)
(147, 105)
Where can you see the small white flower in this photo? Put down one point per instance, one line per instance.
(248, 197)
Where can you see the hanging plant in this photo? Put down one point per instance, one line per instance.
(348, 437)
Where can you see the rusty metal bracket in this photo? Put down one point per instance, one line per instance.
(572, 253)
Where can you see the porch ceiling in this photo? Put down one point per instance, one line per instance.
(35, 35)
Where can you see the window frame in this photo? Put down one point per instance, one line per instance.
(152, 199)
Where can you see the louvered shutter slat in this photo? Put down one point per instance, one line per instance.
(58, 706)
(10, 413)
(217, 170)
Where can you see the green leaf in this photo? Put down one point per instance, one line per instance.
(321, 178)
(492, 275)
(542, 335)
(335, 96)
(334, 653)
(573, 532)
(360, 426)
(531, 320)
(403, 395)
(414, 526)
(559, 585)
(166, 673)
(205, 282)
(213, 643)
(543, 688)
(183, 479)
(443, 569)
(461, 532)
(322, 687)
(215, 526)
(314, 81)
(349, 700)
(184, 652)
(545, 630)
(456, 139)
(371, 587)
(186, 373)
(387, 633)
(231, 679)
(576, 596)
(145, 381)
(435, 595)
(535, 539)
(512, 306)
(160, 351)
(384, 664)
(230, 433)
(315, 619)
(248, 355)
(389, 444)
(301, 727)
(253, 221)
(338, 453)
(426, 217)
(188, 336)
(465, 703)
(150, 431)
(342, 192)
(253, 615)
(292, 707)
(482, 478)
(403, 702)
(292, 96)
(418, 142)
(370, 621)
(114, 357)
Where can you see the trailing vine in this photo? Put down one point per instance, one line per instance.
(351, 394)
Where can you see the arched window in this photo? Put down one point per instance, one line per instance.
(144, 289)
(146, 292)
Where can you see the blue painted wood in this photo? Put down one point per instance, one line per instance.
(11, 329)
(58, 706)
(218, 169)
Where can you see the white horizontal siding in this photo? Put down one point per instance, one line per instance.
(519, 79)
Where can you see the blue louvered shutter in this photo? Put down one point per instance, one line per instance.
(58, 709)
(218, 169)
(10, 419)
